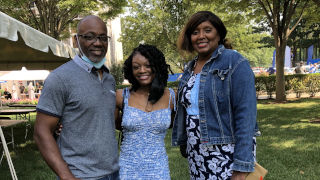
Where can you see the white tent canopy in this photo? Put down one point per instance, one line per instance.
(21, 45)
(25, 75)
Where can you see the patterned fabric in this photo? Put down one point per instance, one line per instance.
(213, 162)
(186, 91)
(143, 154)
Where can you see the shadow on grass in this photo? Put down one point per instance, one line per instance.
(289, 146)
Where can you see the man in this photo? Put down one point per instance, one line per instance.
(7, 94)
(21, 88)
(81, 96)
(271, 70)
(299, 69)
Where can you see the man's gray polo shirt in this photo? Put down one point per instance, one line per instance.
(85, 105)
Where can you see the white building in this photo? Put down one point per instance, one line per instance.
(115, 51)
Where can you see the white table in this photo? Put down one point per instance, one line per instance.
(21, 114)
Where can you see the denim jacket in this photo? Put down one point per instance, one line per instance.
(227, 106)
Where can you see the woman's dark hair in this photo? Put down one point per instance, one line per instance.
(159, 68)
(184, 41)
(227, 44)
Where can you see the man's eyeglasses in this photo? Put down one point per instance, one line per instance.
(93, 38)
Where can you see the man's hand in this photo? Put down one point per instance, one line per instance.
(237, 175)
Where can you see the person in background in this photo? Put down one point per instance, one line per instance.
(80, 94)
(271, 70)
(313, 68)
(215, 123)
(316, 67)
(21, 88)
(7, 94)
(20, 92)
(38, 87)
(14, 92)
(31, 91)
(300, 69)
(146, 115)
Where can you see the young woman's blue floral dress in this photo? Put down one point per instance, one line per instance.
(213, 162)
(143, 155)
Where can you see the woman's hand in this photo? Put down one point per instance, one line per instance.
(237, 175)
(57, 131)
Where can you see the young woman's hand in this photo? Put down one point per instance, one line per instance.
(57, 131)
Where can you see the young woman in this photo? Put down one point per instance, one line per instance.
(216, 115)
(146, 115)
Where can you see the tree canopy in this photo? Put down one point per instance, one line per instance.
(53, 17)
(160, 23)
(252, 25)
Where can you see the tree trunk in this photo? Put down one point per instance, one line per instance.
(280, 81)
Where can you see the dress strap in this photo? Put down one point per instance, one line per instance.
(125, 95)
(173, 98)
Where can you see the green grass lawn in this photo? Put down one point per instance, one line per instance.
(289, 146)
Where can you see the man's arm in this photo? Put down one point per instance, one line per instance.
(119, 107)
(43, 130)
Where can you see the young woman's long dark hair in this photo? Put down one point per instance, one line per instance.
(159, 68)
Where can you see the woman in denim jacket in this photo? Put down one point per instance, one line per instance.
(215, 122)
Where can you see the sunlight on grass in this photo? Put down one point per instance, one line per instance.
(288, 105)
(299, 126)
(26, 143)
(285, 144)
(269, 126)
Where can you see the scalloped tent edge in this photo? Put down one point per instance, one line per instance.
(22, 45)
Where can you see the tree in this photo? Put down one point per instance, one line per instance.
(259, 57)
(158, 24)
(317, 2)
(283, 17)
(53, 17)
(304, 35)
(161, 22)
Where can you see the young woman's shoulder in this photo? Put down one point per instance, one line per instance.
(119, 92)
(167, 91)
(171, 97)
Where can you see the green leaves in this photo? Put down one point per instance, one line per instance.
(160, 22)
(54, 17)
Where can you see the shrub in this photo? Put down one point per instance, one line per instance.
(116, 71)
(270, 84)
(298, 83)
(312, 83)
(260, 86)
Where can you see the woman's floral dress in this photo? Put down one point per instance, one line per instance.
(207, 162)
